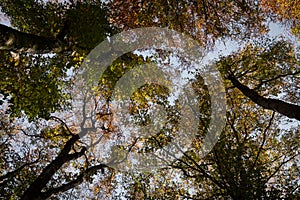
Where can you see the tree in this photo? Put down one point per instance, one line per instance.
(44, 154)
(255, 158)
(267, 69)
(52, 32)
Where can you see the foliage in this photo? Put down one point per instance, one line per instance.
(203, 20)
(33, 87)
(286, 11)
(49, 148)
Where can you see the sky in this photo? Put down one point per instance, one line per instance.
(3, 19)
(225, 48)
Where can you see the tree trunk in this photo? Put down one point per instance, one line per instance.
(284, 108)
(14, 40)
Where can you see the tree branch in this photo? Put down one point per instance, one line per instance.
(34, 190)
(275, 78)
(263, 141)
(85, 174)
(16, 171)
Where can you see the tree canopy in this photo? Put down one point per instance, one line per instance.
(52, 131)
